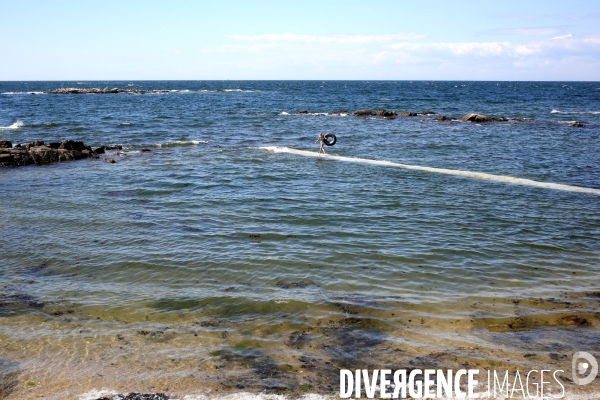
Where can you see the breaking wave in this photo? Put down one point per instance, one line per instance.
(554, 111)
(176, 143)
(15, 125)
(469, 174)
(22, 93)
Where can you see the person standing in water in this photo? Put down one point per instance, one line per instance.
(321, 139)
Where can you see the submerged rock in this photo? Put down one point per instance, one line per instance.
(577, 124)
(377, 113)
(441, 118)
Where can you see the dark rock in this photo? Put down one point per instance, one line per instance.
(476, 118)
(115, 147)
(5, 144)
(573, 320)
(303, 112)
(72, 145)
(109, 160)
(145, 150)
(89, 153)
(440, 118)
(6, 160)
(426, 113)
(577, 124)
(37, 152)
(377, 113)
(340, 112)
(406, 114)
(99, 150)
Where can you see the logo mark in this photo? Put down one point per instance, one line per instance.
(580, 367)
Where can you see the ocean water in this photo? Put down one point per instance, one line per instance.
(233, 259)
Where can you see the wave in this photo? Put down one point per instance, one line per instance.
(554, 111)
(468, 174)
(240, 90)
(15, 125)
(22, 93)
(181, 143)
(334, 114)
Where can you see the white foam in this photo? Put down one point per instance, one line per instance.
(240, 90)
(554, 111)
(22, 93)
(181, 143)
(468, 174)
(15, 125)
(284, 113)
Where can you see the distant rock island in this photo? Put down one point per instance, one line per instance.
(106, 90)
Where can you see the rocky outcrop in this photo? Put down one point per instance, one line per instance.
(476, 118)
(38, 152)
(102, 91)
(441, 118)
(406, 114)
(383, 113)
(481, 118)
(577, 124)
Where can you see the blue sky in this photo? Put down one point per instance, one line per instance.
(389, 40)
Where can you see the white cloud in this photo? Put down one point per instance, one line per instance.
(403, 56)
(562, 37)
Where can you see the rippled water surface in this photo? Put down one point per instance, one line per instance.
(224, 259)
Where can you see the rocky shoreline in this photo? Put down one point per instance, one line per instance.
(38, 152)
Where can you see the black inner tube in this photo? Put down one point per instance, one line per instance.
(331, 139)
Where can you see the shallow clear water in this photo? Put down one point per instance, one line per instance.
(211, 251)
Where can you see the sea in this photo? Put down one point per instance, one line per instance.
(232, 260)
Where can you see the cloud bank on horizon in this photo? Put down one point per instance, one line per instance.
(394, 40)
